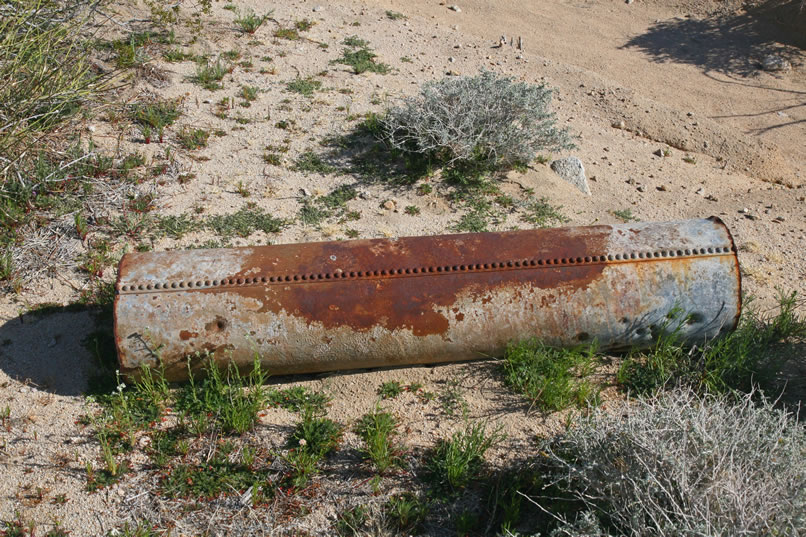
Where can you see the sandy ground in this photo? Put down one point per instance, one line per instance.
(630, 79)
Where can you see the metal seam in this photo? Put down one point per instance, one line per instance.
(340, 275)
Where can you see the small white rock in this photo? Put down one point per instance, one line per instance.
(773, 62)
(455, 8)
(317, 9)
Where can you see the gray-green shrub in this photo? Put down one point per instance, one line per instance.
(682, 464)
(487, 119)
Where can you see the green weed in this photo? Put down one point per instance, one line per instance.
(350, 522)
(193, 138)
(406, 512)
(209, 76)
(395, 16)
(310, 162)
(551, 378)
(291, 34)
(362, 60)
(625, 215)
(225, 397)
(304, 25)
(378, 430)
(452, 399)
(739, 360)
(298, 397)
(390, 389)
(303, 86)
(250, 22)
(458, 460)
(540, 213)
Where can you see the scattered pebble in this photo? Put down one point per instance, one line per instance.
(317, 9)
(389, 205)
(641, 188)
(455, 8)
(305, 193)
(662, 188)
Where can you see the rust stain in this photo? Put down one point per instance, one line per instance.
(412, 303)
(185, 335)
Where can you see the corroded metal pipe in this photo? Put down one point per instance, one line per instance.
(384, 302)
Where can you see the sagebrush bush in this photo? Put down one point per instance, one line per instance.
(485, 119)
(682, 464)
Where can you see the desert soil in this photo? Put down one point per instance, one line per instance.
(630, 78)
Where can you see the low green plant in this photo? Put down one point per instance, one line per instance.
(297, 398)
(224, 397)
(412, 210)
(455, 462)
(390, 389)
(291, 34)
(354, 41)
(176, 55)
(209, 76)
(243, 223)
(155, 114)
(625, 215)
(452, 399)
(749, 356)
(310, 162)
(176, 226)
(304, 25)
(249, 93)
(362, 60)
(315, 433)
(303, 86)
(314, 437)
(350, 522)
(540, 213)
(378, 430)
(216, 477)
(551, 378)
(249, 22)
(193, 138)
(395, 16)
(406, 512)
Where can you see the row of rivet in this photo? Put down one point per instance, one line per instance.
(427, 270)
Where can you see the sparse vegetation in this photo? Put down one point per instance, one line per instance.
(193, 138)
(378, 431)
(747, 357)
(304, 86)
(245, 222)
(360, 57)
(455, 462)
(249, 22)
(625, 215)
(209, 76)
(552, 379)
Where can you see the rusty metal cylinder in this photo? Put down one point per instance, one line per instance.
(386, 302)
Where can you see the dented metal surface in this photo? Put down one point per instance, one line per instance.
(385, 302)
